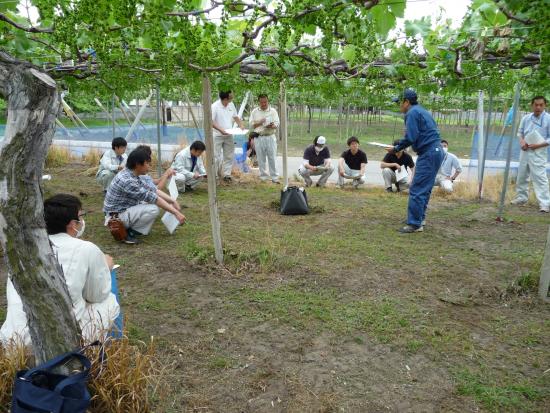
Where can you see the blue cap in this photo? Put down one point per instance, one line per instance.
(408, 94)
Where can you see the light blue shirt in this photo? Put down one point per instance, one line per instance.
(449, 163)
(530, 123)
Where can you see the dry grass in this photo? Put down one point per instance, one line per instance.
(124, 383)
(12, 359)
(58, 156)
(92, 157)
(468, 190)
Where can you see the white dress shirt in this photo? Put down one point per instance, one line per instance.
(88, 280)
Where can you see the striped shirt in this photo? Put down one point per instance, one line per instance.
(127, 190)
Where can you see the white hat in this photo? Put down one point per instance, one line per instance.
(321, 140)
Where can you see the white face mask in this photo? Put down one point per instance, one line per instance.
(81, 230)
(445, 149)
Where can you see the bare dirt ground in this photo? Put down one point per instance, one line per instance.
(335, 311)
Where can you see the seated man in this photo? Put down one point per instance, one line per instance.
(352, 163)
(155, 183)
(445, 176)
(135, 202)
(188, 167)
(395, 162)
(86, 269)
(111, 163)
(316, 162)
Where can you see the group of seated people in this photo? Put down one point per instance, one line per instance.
(135, 197)
(397, 168)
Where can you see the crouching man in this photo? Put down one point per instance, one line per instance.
(449, 171)
(189, 168)
(394, 163)
(135, 202)
(112, 162)
(352, 163)
(316, 162)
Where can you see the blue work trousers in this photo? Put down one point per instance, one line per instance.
(427, 165)
(116, 331)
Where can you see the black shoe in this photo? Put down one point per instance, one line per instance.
(133, 233)
(188, 188)
(397, 186)
(389, 190)
(131, 240)
(227, 178)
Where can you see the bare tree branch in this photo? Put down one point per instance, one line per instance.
(30, 29)
(49, 46)
(511, 16)
(194, 12)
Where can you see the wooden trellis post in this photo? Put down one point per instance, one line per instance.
(211, 165)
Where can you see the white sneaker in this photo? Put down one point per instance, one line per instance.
(518, 201)
(545, 209)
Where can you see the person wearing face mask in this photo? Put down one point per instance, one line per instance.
(112, 161)
(316, 162)
(445, 176)
(534, 155)
(87, 273)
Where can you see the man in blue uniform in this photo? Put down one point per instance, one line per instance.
(420, 132)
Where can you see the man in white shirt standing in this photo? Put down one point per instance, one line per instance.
(264, 120)
(224, 114)
(534, 156)
(449, 170)
(112, 161)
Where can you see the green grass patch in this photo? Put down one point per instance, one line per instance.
(498, 396)
(220, 362)
(383, 318)
(136, 333)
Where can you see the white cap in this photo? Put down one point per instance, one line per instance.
(321, 140)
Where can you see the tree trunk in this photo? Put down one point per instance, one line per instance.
(211, 176)
(33, 104)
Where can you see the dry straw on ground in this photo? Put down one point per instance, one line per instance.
(125, 382)
(469, 190)
(12, 360)
(92, 157)
(58, 156)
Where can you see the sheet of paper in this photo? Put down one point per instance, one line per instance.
(534, 137)
(382, 145)
(237, 131)
(115, 267)
(173, 189)
(170, 222)
(399, 175)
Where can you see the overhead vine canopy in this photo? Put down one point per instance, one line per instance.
(125, 45)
